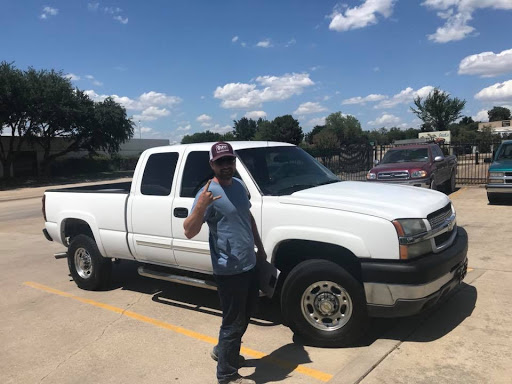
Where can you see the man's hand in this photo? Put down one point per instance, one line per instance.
(206, 197)
(192, 224)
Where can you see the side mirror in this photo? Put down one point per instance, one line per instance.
(438, 158)
(376, 162)
(488, 160)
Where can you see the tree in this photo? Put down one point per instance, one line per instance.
(42, 105)
(498, 114)
(201, 137)
(244, 129)
(326, 140)
(283, 128)
(308, 137)
(438, 110)
(347, 128)
(14, 116)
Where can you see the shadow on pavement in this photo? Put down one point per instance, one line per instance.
(428, 326)
(284, 360)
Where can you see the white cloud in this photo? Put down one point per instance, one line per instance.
(271, 88)
(458, 13)
(122, 20)
(243, 44)
(222, 128)
(481, 116)
(264, 44)
(291, 42)
(93, 6)
(234, 39)
(184, 128)
(386, 120)
(72, 77)
(487, 64)
(204, 118)
(151, 104)
(316, 121)
(255, 115)
(93, 80)
(496, 92)
(308, 108)
(360, 16)
(405, 96)
(363, 100)
(146, 130)
(112, 10)
(233, 115)
(376, 69)
(152, 113)
(48, 11)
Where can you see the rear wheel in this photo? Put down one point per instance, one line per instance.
(451, 183)
(89, 269)
(324, 303)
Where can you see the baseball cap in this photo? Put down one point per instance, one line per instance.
(221, 149)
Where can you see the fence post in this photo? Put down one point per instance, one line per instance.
(476, 158)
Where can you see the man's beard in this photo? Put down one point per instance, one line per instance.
(225, 174)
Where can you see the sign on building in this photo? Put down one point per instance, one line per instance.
(446, 135)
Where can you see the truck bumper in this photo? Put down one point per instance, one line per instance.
(398, 288)
(499, 188)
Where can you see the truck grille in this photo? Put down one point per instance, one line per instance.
(439, 217)
(443, 238)
(397, 175)
(509, 174)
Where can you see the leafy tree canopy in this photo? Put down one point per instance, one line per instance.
(438, 110)
(347, 128)
(244, 129)
(498, 114)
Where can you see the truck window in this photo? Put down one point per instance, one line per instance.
(158, 174)
(196, 173)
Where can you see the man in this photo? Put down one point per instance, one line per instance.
(224, 205)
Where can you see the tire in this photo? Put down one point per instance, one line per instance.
(433, 185)
(89, 269)
(323, 290)
(493, 198)
(451, 183)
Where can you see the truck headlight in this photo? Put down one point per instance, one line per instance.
(418, 174)
(496, 174)
(371, 176)
(409, 233)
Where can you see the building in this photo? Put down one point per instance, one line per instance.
(31, 155)
(502, 127)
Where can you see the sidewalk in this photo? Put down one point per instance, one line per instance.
(37, 192)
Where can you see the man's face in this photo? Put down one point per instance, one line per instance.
(224, 168)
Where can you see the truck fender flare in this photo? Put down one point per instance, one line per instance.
(88, 218)
(346, 240)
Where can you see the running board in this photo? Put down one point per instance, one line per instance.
(60, 255)
(147, 272)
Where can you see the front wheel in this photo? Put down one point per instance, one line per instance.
(433, 185)
(451, 183)
(493, 198)
(324, 303)
(90, 270)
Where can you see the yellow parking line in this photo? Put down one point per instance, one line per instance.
(319, 375)
(456, 193)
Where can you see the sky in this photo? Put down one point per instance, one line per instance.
(180, 67)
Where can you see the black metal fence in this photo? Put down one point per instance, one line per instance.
(352, 162)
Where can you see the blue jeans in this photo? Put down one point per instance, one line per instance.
(238, 295)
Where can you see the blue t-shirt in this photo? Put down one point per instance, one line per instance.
(229, 220)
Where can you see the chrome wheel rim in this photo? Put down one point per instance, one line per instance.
(326, 306)
(83, 263)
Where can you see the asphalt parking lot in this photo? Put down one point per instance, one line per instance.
(150, 331)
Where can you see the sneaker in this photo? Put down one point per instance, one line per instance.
(238, 380)
(215, 356)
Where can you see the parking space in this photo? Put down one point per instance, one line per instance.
(144, 330)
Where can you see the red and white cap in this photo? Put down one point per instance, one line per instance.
(221, 149)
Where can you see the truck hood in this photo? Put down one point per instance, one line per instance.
(399, 166)
(501, 166)
(386, 201)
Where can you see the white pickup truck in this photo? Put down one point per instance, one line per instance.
(346, 250)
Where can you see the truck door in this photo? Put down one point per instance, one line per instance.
(151, 209)
(194, 254)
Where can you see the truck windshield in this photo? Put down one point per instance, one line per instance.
(504, 152)
(405, 156)
(284, 170)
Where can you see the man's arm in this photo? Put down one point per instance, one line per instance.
(260, 255)
(192, 224)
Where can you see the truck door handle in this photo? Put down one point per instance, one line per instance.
(182, 213)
